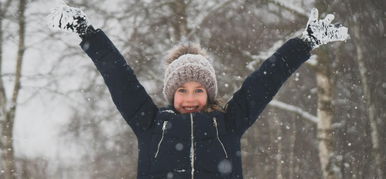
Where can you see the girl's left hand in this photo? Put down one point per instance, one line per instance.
(319, 32)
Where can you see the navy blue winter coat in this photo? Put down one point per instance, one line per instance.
(197, 145)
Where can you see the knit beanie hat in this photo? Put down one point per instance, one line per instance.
(188, 62)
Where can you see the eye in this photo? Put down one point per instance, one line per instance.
(181, 90)
(199, 90)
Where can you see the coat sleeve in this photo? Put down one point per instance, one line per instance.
(129, 96)
(261, 86)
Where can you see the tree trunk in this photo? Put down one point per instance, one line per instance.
(292, 162)
(180, 21)
(9, 166)
(3, 96)
(3, 99)
(371, 112)
(8, 124)
(325, 115)
(277, 139)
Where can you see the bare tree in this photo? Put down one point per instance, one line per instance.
(318, 111)
(3, 96)
(360, 49)
(325, 114)
(7, 127)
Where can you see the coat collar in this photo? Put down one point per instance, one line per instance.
(179, 125)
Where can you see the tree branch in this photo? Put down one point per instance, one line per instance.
(207, 15)
(3, 95)
(290, 7)
(20, 52)
(4, 9)
(262, 56)
(259, 58)
(294, 109)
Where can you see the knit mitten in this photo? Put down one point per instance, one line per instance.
(70, 19)
(319, 32)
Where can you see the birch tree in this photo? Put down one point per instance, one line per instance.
(142, 38)
(239, 35)
(3, 97)
(9, 105)
(358, 28)
(325, 112)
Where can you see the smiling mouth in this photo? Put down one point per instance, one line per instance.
(191, 108)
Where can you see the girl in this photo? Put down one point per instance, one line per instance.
(194, 137)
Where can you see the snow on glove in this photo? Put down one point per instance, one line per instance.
(319, 32)
(69, 19)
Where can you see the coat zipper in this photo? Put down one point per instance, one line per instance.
(218, 138)
(192, 145)
(162, 137)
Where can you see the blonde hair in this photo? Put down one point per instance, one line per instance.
(215, 105)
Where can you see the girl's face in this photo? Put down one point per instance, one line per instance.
(190, 97)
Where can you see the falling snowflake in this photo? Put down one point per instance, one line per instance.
(225, 167)
(179, 147)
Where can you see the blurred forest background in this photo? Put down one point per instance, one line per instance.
(327, 121)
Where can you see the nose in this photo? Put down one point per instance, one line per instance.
(190, 97)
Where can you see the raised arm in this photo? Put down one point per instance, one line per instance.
(262, 85)
(129, 96)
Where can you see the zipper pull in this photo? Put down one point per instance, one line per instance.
(218, 138)
(164, 125)
(162, 138)
(215, 122)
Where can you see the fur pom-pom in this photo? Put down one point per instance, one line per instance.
(182, 49)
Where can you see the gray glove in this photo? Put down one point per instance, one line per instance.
(69, 19)
(319, 32)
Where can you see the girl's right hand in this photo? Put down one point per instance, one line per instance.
(69, 19)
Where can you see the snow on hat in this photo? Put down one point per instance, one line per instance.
(188, 62)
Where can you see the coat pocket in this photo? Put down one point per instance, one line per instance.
(212, 159)
(162, 137)
(169, 153)
(172, 156)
